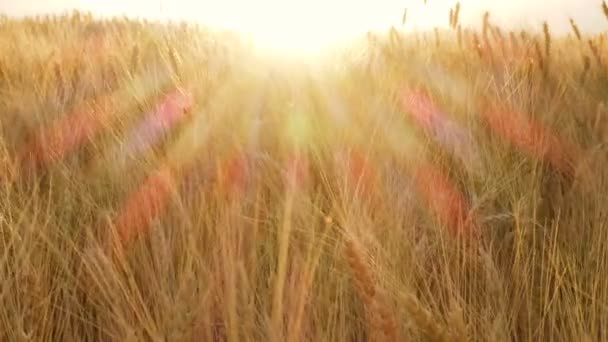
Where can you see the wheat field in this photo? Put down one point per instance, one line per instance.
(163, 183)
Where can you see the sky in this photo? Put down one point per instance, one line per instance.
(313, 22)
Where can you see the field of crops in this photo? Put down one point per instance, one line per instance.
(164, 183)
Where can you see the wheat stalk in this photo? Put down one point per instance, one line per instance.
(437, 38)
(457, 14)
(595, 51)
(486, 25)
(477, 45)
(424, 321)
(135, 58)
(547, 35)
(586, 66)
(539, 55)
(575, 29)
(451, 19)
(381, 319)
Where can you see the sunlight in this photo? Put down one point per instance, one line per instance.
(303, 28)
(296, 27)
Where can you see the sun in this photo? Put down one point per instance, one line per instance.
(296, 27)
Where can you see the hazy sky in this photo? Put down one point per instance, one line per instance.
(294, 22)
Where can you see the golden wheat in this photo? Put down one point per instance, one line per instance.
(235, 239)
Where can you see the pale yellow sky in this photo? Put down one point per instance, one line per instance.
(295, 22)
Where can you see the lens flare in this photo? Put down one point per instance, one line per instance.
(444, 199)
(234, 173)
(451, 136)
(532, 137)
(296, 171)
(144, 205)
(66, 134)
(171, 109)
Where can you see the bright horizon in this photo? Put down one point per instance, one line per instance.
(309, 25)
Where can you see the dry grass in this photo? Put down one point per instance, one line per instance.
(301, 203)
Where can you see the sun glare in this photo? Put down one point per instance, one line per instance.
(297, 27)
